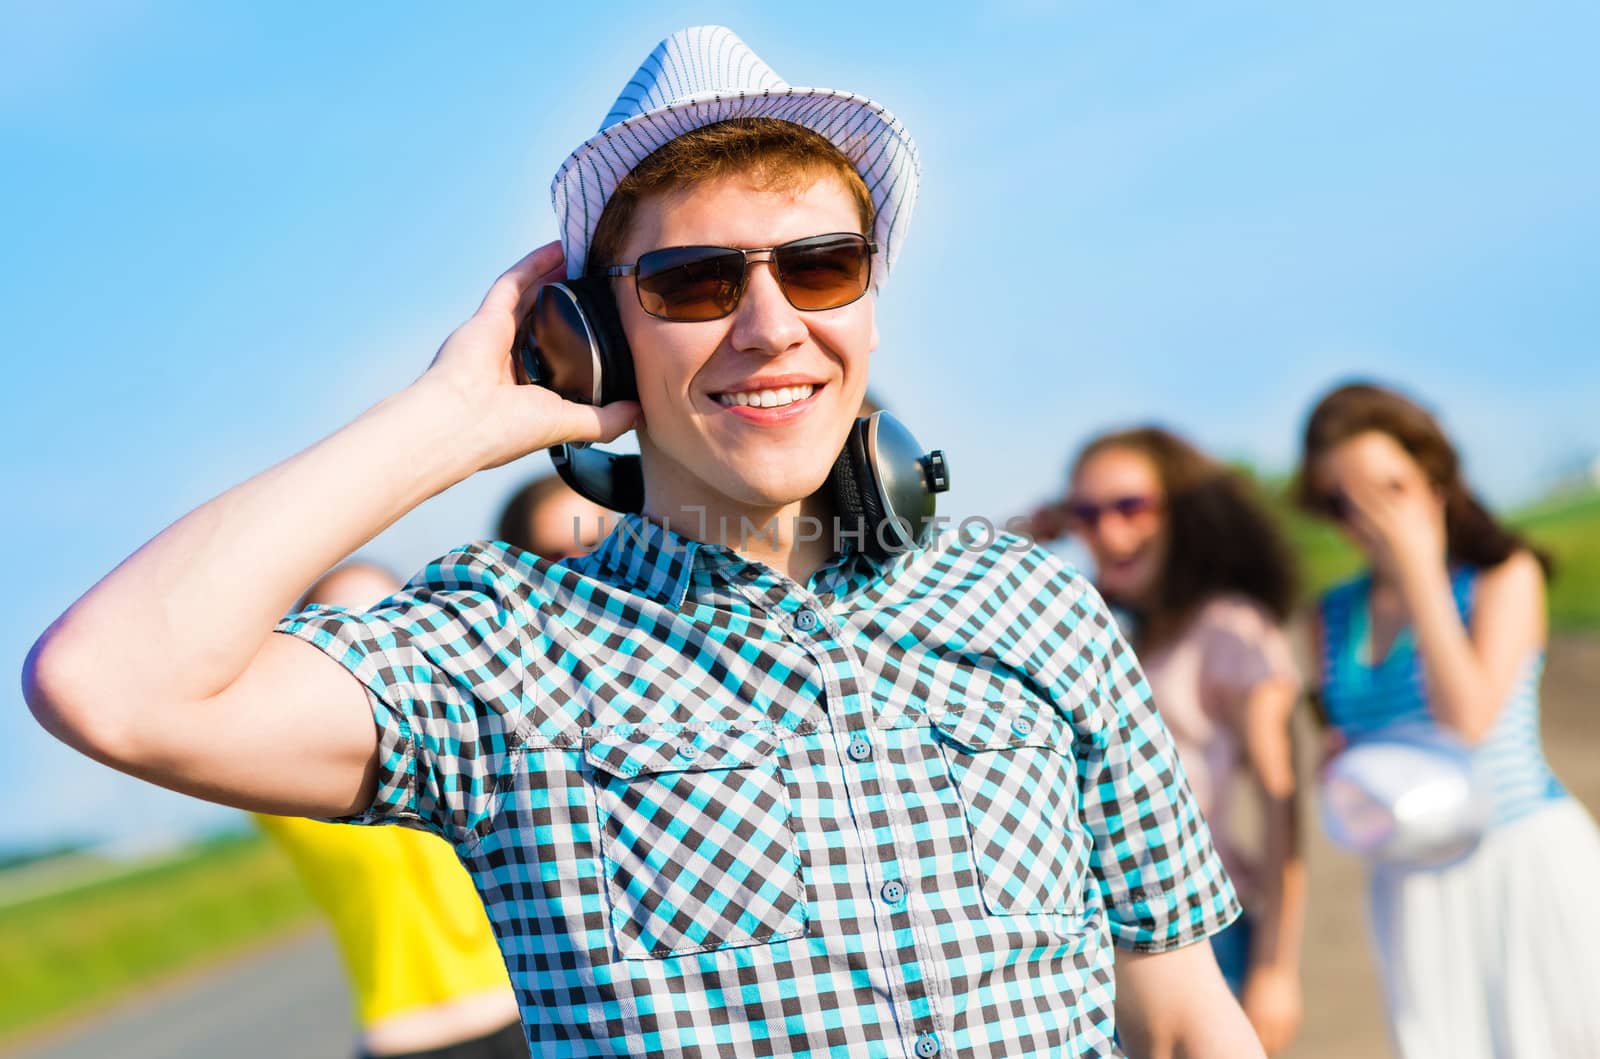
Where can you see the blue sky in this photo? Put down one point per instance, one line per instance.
(227, 231)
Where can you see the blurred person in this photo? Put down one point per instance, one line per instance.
(1498, 954)
(426, 977)
(425, 971)
(781, 795)
(547, 518)
(1202, 574)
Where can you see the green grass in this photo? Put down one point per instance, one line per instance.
(74, 950)
(1568, 528)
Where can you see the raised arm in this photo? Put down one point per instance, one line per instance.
(167, 668)
(1470, 671)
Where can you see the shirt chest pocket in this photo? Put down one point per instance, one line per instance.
(699, 849)
(1013, 767)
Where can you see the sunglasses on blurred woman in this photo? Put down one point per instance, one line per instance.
(1084, 516)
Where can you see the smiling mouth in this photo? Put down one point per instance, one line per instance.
(777, 397)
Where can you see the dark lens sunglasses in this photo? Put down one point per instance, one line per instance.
(1084, 514)
(706, 282)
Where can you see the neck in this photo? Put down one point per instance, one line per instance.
(794, 538)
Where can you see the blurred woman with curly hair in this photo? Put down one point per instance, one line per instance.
(1198, 570)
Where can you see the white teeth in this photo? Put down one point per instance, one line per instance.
(775, 398)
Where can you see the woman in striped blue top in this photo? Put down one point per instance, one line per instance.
(1497, 955)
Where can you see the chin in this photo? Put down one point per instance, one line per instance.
(772, 489)
(768, 477)
(1113, 592)
(772, 478)
(1126, 590)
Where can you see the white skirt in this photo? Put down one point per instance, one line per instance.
(1497, 957)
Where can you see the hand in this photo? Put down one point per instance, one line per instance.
(1272, 1002)
(1047, 522)
(472, 376)
(1403, 521)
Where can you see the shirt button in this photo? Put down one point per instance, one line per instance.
(927, 1046)
(806, 620)
(893, 891)
(860, 749)
(1022, 726)
(688, 751)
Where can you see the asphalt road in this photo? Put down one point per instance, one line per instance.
(284, 1002)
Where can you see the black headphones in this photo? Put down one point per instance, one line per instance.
(884, 485)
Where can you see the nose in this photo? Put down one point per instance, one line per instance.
(765, 322)
(1115, 534)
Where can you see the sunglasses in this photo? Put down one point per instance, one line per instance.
(1086, 515)
(693, 283)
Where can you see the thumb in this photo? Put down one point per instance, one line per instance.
(603, 422)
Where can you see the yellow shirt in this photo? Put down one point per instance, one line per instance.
(407, 919)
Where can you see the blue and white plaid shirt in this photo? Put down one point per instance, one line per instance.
(903, 810)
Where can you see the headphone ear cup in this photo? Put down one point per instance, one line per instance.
(573, 343)
(885, 484)
(610, 479)
(577, 345)
(595, 299)
(526, 363)
(842, 481)
(855, 489)
(866, 476)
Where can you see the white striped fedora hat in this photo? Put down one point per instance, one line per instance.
(707, 74)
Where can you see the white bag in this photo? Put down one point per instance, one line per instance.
(1411, 796)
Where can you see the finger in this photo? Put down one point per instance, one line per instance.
(531, 291)
(507, 291)
(1371, 508)
(601, 423)
(1366, 496)
(1419, 503)
(1367, 531)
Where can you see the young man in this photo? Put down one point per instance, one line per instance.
(765, 796)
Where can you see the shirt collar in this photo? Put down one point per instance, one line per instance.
(648, 559)
(655, 561)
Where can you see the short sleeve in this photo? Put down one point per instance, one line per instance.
(1151, 855)
(1243, 648)
(441, 662)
